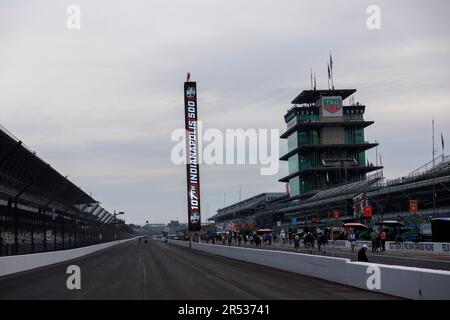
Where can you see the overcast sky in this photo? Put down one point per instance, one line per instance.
(99, 103)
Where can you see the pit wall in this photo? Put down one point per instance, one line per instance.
(19, 263)
(405, 282)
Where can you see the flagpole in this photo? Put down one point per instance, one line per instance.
(331, 68)
(328, 66)
(376, 154)
(434, 175)
(432, 137)
(332, 78)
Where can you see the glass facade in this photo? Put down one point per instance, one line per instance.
(307, 117)
(292, 141)
(354, 136)
(293, 164)
(310, 136)
(310, 160)
(294, 186)
(360, 157)
(291, 123)
(309, 183)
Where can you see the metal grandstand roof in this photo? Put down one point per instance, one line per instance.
(25, 176)
(24, 167)
(248, 204)
(311, 96)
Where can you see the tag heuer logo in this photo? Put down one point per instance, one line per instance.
(332, 105)
(190, 92)
(195, 217)
(332, 108)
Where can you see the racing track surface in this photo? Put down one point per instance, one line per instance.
(162, 271)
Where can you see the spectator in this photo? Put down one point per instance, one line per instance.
(309, 242)
(322, 242)
(296, 241)
(383, 237)
(373, 237)
(362, 256)
(351, 238)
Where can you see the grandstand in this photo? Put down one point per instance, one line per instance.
(329, 174)
(41, 210)
(389, 199)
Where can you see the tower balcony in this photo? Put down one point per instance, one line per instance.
(320, 124)
(323, 170)
(307, 148)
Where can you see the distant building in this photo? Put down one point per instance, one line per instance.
(246, 211)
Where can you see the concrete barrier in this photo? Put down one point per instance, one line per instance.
(19, 263)
(405, 282)
(439, 247)
(398, 281)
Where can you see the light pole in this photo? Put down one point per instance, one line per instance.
(115, 222)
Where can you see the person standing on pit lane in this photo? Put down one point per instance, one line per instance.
(383, 237)
(297, 242)
(362, 256)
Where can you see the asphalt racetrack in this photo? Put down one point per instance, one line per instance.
(158, 270)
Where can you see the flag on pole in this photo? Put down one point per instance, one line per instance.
(381, 161)
(329, 75)
(331, 62)
(331, 71)
(442, 142)
(311, 80)
(315, 83)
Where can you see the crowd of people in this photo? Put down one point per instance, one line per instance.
(252, 238)
(379, 240)
(310, 240)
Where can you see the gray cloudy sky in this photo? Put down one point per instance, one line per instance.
(100, 103)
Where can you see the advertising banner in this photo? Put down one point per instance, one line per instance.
(336, 214)
(368, 211)
(293, 221)
(332, 107)
(359, 203)
(192, 166)
(413, 206)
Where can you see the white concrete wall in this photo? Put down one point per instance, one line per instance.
(13, 264)
(406, 282)
(440, 247)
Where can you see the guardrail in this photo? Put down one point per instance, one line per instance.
(405, 282)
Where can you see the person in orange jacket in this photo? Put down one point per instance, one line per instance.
(383, 237)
